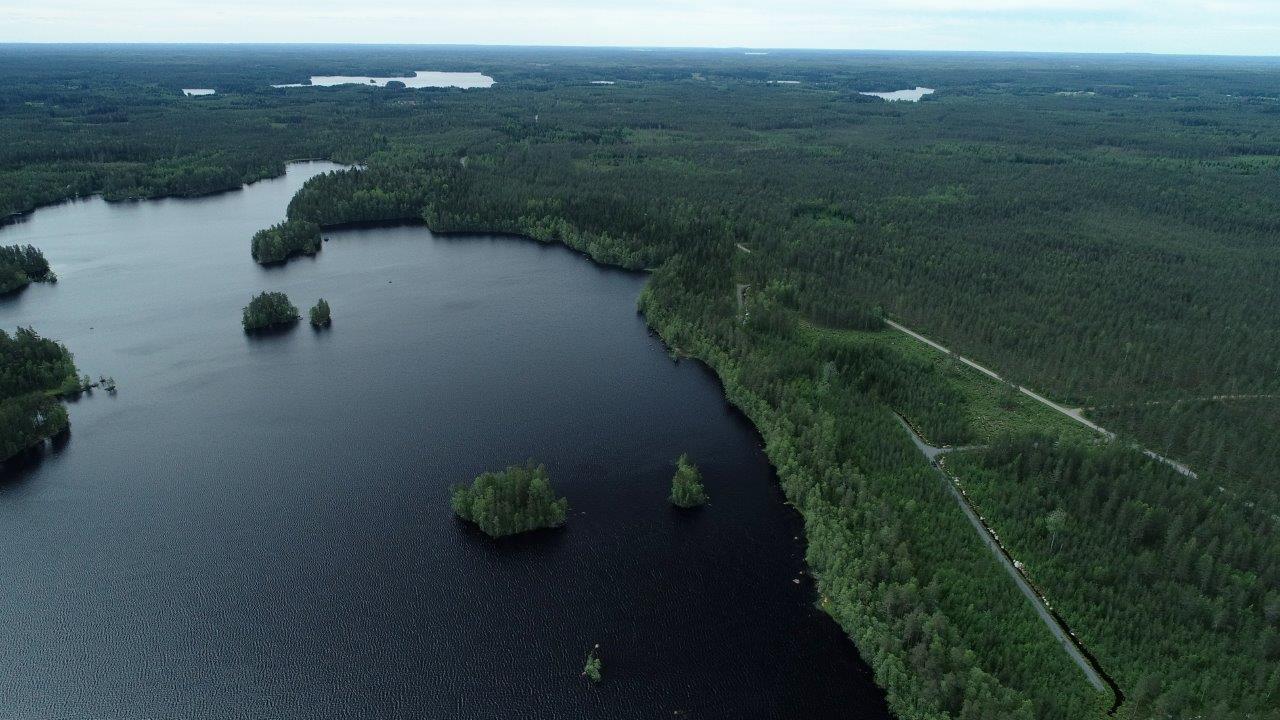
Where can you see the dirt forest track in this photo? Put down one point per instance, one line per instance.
(1071, 645)
(1076, 414)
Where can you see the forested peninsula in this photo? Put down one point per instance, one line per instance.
(34, 372)
(285, 240)
(21, 266)
(1100, 229)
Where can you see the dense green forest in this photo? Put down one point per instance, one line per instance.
(1158, 572)
(1099, 228)
(268, 309)
(33, 372)
(511, 501)
(1231, 438)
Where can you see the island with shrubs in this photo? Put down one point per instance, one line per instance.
(320, 314)
(687, 490)
(285, 240)
(267, 310)
(593, 670)
(511, 501)
(21, 265)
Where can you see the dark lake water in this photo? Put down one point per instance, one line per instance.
(259, 527)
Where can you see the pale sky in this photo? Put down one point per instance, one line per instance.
(1227, 27)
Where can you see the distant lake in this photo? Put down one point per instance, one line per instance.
(903, 95)
(259, 527)
(420, 79)
(196, 92)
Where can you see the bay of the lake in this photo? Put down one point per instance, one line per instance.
(259, 527)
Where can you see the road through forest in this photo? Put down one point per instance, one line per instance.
(1076, 414)
(1070, 645)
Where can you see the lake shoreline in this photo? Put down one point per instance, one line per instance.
(19, 216)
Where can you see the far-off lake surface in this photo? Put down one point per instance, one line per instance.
(912, 95)
(420, 79)
(258, 527)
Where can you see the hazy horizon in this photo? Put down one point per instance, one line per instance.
(1171, 27)
(749, 49)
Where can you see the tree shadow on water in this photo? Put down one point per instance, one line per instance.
(273, 332)
(15, 471)
(14, 295)
(521, 545)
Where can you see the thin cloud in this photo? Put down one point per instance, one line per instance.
(1168, 26)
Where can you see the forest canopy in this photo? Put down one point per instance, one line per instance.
(1177, 560)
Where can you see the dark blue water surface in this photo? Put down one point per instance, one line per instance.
(258, 527)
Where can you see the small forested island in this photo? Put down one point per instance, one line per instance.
(285, 240)
(687, 490)
(21, 266)
(269, 309)
(593, 670)
(515, 500)
(320, 314)
(36, 372)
